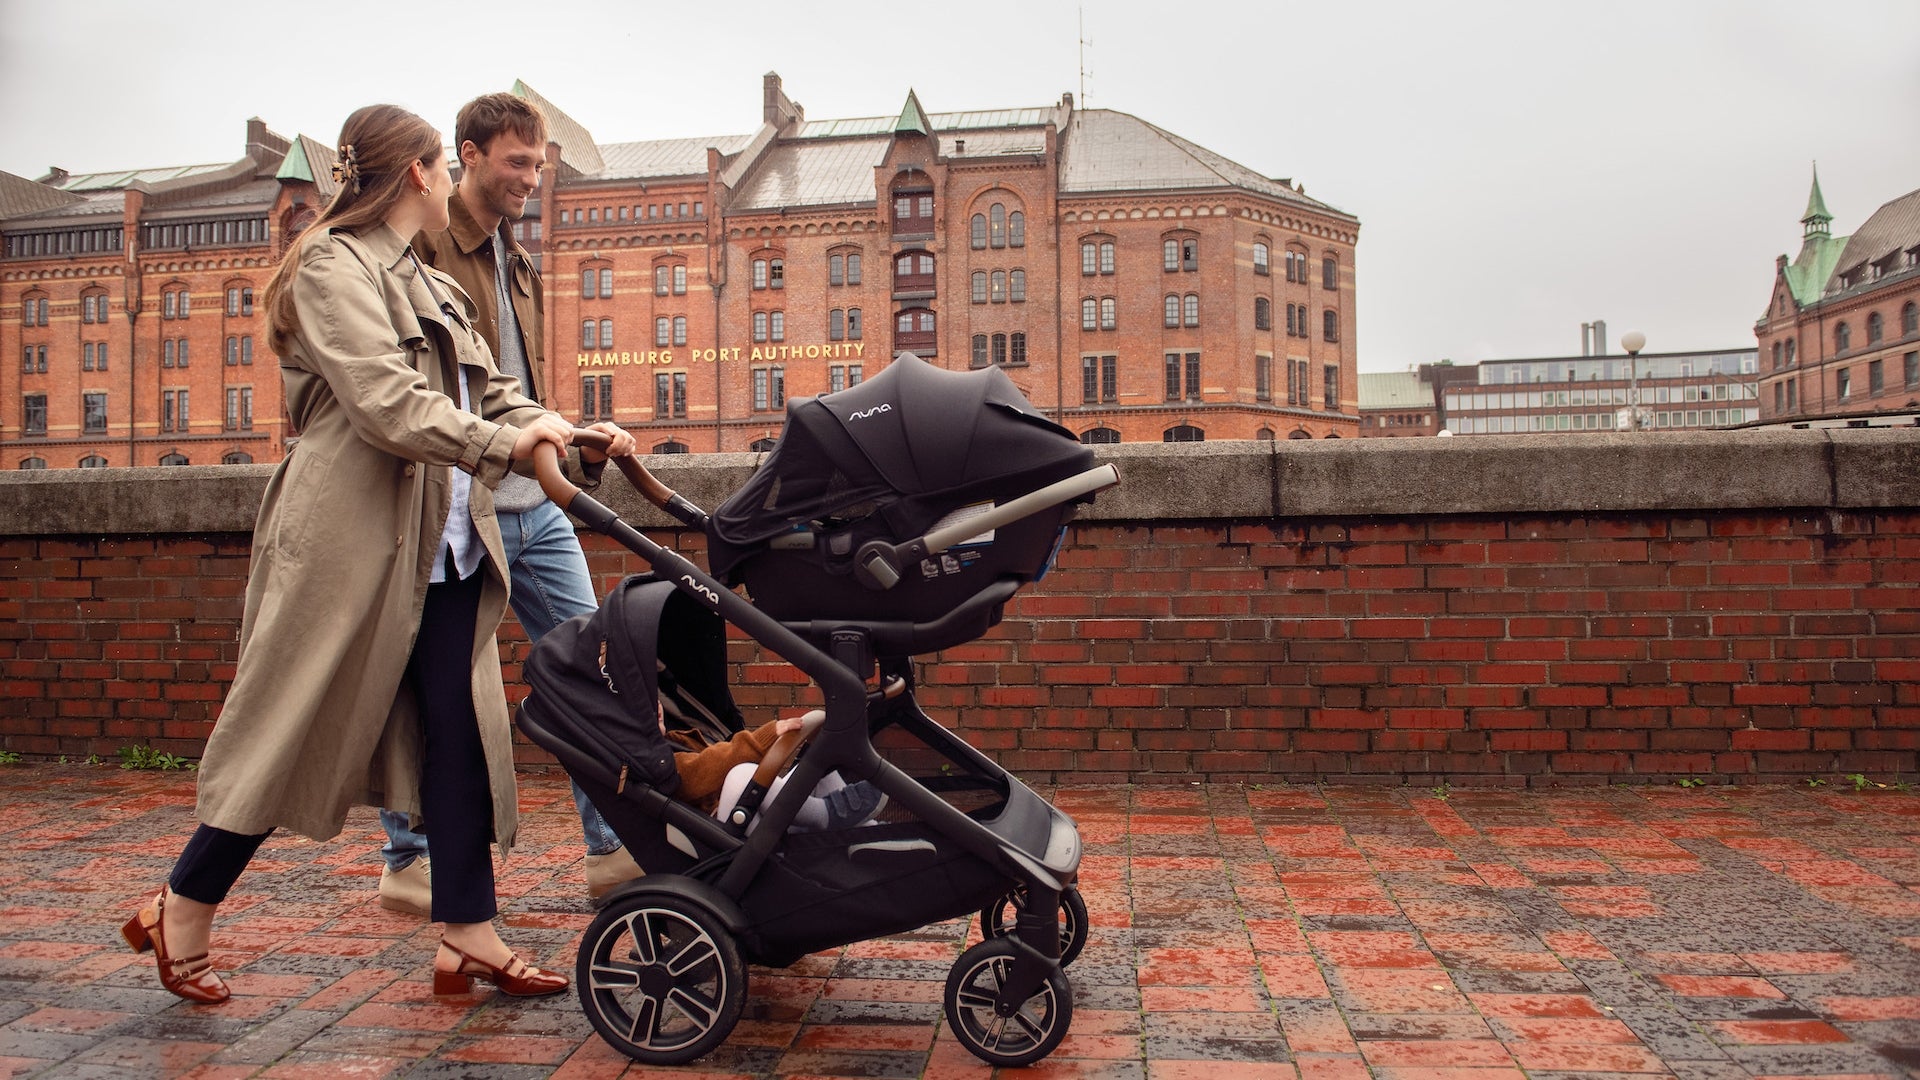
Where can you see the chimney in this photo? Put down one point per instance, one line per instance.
(1066, 99)
(1586, 339)
(55, 176)
(1599, 337)
(959, 146)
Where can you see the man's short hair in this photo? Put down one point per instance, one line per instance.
(490, 114)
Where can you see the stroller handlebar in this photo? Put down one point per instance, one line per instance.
(553, 481)
(877, 564)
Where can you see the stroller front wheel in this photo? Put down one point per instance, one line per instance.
(998, 918)
(1005, 1037)
(660, 978)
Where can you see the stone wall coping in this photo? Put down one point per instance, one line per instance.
(1732, 470)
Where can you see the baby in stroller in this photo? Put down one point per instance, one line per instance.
(716, 777)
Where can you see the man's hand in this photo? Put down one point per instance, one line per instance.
(623, 442)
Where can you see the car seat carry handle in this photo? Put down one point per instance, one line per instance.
(877, 564)
(637, 474)
(777, 756)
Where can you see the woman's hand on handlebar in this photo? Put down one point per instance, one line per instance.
(551, 428)
(623, 445)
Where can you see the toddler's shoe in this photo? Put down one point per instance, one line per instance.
(855, 804)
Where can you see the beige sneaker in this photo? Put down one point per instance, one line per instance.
(409, 890)
(604, 872)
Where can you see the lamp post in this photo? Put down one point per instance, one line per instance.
(1633, 341)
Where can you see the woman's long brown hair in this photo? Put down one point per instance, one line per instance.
(385, 139)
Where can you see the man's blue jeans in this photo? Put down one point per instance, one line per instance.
(550, 586)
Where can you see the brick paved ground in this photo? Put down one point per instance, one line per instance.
(1316, 933)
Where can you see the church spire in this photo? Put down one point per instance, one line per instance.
(1816, 217)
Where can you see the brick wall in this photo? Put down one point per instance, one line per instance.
(1483, 645)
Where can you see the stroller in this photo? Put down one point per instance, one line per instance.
(892, 519)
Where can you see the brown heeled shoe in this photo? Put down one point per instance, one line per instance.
(518, 977)
(191, 977)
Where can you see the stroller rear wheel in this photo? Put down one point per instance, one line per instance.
(998, 918)
(661, 978)
(1016, 1037)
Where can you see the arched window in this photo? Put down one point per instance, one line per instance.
(1089, 314)
(1910, 319)
(33, 463)
(762, 446)
(1184, 433)
(93, 461)
(1330, 325)
(1842, 337)
(843, 267)
(1016, 229)
(978, 238)
(1017, 286)
(979, 286)
(1108, 318)
(1299, 433)
(1790, 350)
(671, 447)
(979, 359)
(589, 334)
(913, 271)
(997, 226)
(1265, 434)
(1100, 436)
(999, 293)
(1017, 348)
(1874, 327)
(1191, 309)
(606, 333)
(236, 457)
(1171, 310)
(1776, 355)
(662, 328)
(1260, 258)
(913, 204)
(173, 457)
(914, 331)
(1329, 272)
(1262, 313)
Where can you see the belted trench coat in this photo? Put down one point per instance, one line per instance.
(319, 717)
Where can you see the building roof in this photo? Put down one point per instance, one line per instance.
(311, 160)
(577, 148)
(21, 197)
(1894, 228)
(82, 183)
(652, 158)
(1394, 390)
(832, 172)
(1103, 150)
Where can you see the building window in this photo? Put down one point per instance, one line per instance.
(977, 233)
(1776, 356)
(1191, 309)
(1180, 254)
(604, 385)
(670, 394)
(979, 294)
(679, 329)
(1910, 319)
(606, 333)
(999, 295)
(1330, 325)
(853, 324)
(1843, 384)
(1842, 337)
(1017, 348)
(1016, 229)
(1100, 436)
(1876, 377)
(979, 350)
(1874, 327)
(1790, 350)
(680, 279)
(776, 273)
(1262, 313)
(997, 226)
(1263, 378)
(1297, 382)
(1089, 259)
(1099, 379)
(914, 331)
(853, 269)
(93, 413)
(1183, 370)
(777, 325)
(239, 408)
(661, 277)
(93, 461)
(1000, 349)
(1017, 286)
(759, 273)
(1089, 314)
(1329, 273)
(33, 463)
(1260, 260)
(769, 388)
(1330, 387)
(587, 282)
(671, 447)
(589, 334)
(836, 269)
(606, 282)
(1170, 313)
(662, 329)
(836, 325)
(913, 272)
(1108, 314)
(33, 414)
(913, 211)
(1183, 433)
(759, 326)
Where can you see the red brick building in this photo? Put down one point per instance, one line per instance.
(1840, 340)
(1136, 286)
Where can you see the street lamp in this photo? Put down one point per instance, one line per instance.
(1633, 341)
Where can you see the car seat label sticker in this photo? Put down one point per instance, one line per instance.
(972, 510)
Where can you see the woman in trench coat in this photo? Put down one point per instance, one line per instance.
(368, 671)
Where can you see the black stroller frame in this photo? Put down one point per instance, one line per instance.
(661, 972)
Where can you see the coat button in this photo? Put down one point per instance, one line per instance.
(409, 469)
(399, 541)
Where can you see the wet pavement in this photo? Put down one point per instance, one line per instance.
(1275, 932)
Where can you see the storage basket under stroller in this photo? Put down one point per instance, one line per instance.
(829, 537)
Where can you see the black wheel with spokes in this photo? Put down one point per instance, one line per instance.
(1022, 1036)
(660, 978)
(998, 918)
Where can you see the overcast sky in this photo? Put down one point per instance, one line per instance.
(1518, 168)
